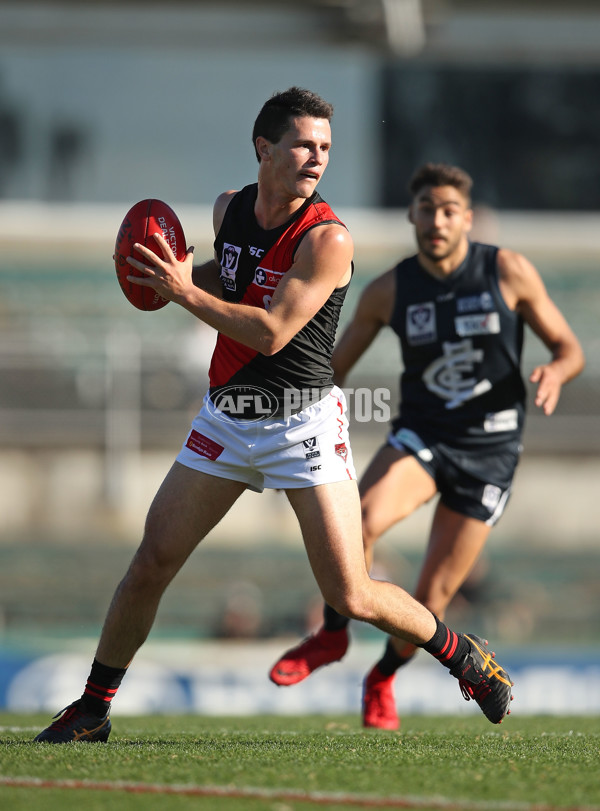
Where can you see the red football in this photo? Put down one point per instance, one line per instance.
(142, 221)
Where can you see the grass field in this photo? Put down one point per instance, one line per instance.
(276, 763)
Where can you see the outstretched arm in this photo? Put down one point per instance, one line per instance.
(374, 311)
(525, 291)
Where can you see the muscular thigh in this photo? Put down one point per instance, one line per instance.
(188, 504)
(394, 485)
(329, 517)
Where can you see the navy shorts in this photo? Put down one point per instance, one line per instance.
(473, 482)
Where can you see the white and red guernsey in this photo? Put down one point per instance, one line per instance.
(253, 262)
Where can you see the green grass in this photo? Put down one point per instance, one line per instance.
(527, 763)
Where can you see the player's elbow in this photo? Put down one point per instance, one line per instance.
(273, 339)
(271, 345)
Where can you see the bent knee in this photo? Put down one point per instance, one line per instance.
(351, 604)
(149, 566)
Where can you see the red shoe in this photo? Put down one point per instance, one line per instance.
(379, 703)
(317, 650)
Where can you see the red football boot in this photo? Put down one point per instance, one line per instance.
(315, 651)
(379, 703)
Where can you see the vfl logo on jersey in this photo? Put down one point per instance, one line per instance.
(477, 324)
(470, 304)
(311, 448)
(451, 376)
(229, 265)
(267, 278)
(420, 324)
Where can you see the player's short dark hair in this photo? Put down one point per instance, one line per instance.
(296, 102)
(441, 174)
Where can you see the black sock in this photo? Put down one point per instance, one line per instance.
(332, 621)
(391, 660)
(446, 645)
(102, 684)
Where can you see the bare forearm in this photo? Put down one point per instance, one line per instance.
(568, 360)
(246, 324)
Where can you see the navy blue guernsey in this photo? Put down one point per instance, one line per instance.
(461, 349)
(253, 262)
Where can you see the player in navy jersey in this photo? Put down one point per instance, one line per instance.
(458, 308)
(272, 416)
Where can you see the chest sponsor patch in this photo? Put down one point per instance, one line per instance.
(267, 278)
(421, 325)
(229, 265)
(477, 324)
(470, 304)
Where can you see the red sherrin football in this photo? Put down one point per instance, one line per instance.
(142, 221)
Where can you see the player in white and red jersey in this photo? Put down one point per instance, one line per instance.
(272, 416)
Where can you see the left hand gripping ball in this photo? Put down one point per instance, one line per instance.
(140, 223)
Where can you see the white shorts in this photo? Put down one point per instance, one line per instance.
(306, 449)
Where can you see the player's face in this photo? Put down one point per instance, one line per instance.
(302, 154)
(442, 218)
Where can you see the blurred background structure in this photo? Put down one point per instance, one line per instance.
(103, 104)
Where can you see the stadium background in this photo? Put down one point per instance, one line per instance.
(104, 104)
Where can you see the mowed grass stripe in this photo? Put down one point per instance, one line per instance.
(439, 763)
(316, 798)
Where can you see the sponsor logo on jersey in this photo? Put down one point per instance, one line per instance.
(229, 265)
(267, 278)
(243, 403)
(452, 376)
(470, 304)
(421, 324)
(501, 421)
(204, 446)
(311, 448)
(477, 324)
